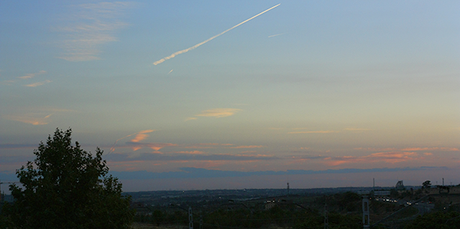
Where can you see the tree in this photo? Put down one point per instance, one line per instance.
(67, 187)
(426, 184)
(447, 220)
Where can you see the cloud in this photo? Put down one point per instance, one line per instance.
(31, 75)
(192, 172)
(314, 132)
(430, 149)
(218, 112)
(191, 118)
(94, 25)
(204, 42)
(388, 157)
(275, 35)
(155, 146)
(206, 145)
(308, 157)
(188, 156)
(141, 135)
(38, 83)
(34, 119)
(355, 129)
(411, 149)
(246, 147)
(195, 152)
(375, 149)
(135, 143)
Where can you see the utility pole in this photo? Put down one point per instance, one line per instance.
(288, 189)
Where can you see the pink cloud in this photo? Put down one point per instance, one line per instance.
(30, 119)
(219, 112)
(388, 157)
(410, 149)
(141, 135)
(195, 152)
(432, 148)
(137, 146)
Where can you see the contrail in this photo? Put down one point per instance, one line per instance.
(170, 71)
(199, 44)
(275, 35)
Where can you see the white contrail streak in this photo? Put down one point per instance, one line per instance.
(275, 35)
(199, 44)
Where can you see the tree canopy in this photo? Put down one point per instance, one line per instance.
(67, 187)
(426, 184)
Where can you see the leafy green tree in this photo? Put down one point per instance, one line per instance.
(67, 187)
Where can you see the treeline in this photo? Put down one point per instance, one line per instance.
(345, 213)
(245, 218)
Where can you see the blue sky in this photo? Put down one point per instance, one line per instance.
(307, 85)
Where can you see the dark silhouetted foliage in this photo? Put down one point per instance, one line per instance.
(441, 220)
(67, 187)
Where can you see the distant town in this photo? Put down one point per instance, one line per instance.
(386, 207)
(345, 207)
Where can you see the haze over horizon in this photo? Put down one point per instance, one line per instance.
(317, 94)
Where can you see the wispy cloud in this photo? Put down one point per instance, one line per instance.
(38, 83)
(94, 25)
(187, 156)
(206, 145)
(216, 113)
(275, 35)
(135, 144)
(430, 149)
(141, 135)
(246, 147)
(31, 75)
(314, 132)
(204, 42)
(350, 129)
(192, 172)
(154, 146)
(411, 149)
(388, 157)
(170, 71)
(355, 129)
(28, 76)
(219, 112)
(34, 119)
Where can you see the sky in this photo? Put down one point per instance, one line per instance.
(237, 94)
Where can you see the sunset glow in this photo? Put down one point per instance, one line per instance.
(262, 93)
